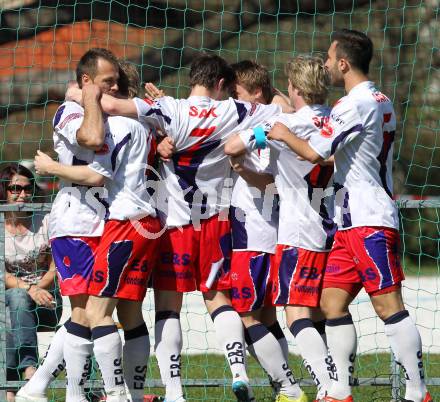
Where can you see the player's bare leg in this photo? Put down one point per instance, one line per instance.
(404, 340)
(268, 352)
(339, 325)
(218, 304)
(311, 345)
(107, 346)
(136, 349)
(169, 347)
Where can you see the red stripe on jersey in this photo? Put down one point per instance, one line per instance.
(202, 132)
(186, 158)
(149, 101)
(152, 152)
(320, 176)
(188, 154)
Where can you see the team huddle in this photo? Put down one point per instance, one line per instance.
(255, 199)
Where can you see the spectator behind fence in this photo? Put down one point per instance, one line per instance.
(32, 299)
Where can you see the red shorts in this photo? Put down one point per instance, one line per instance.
(124, 259)
(195, 259)
(365, 256)
(74, 258)
(297, 276)
(250, 279)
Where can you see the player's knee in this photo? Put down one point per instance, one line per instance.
(386, 307)
(383, 311)
(332, 310)
(268, 316)
(325, 307)
(294, 313)
(168, 300)
(249, 319)
(130, 317)
(95, 314)
(387, 302)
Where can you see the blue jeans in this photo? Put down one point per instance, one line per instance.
(26, 318)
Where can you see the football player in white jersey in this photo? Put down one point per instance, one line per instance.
(305, 229)
(254, 222)
(360, 134)
(195, 252)
(126, 253)
(76, 223)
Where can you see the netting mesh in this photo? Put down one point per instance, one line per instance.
(41, 42)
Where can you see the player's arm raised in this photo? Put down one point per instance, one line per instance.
(83, 175)
(91, 132)
(109, 104)
(301, 147)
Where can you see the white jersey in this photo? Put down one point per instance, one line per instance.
(197, 180)
(123, 162)
(254, 214)
(360, 133)
(76, 211)
(305, 191)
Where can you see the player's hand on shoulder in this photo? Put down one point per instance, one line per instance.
(166, 148)
(279, 132)
(42, 163)
(152, 92)
(74, 94)
(280, 99)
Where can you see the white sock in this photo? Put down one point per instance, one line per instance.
(342, 344)
(136, 352)
(230, 336)
(270, 356)
(77, 351)
(314, 352)
(107, 347)
(407, 349)
(168, 347)
(52, 365)
(278, 333)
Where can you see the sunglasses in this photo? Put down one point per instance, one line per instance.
(17, 189)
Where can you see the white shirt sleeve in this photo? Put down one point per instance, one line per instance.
(344, 126)
(68, 120)
(256, 114)
(162, 113)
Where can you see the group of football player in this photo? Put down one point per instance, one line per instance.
(253, 198)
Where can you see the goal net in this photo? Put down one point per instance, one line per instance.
(41, 42)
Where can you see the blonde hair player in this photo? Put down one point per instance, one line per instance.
(360, 134)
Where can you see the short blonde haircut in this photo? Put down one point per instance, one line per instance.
(309, 76)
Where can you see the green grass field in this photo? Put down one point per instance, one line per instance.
(204, 367)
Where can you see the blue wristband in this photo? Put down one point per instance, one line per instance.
(260, 137)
